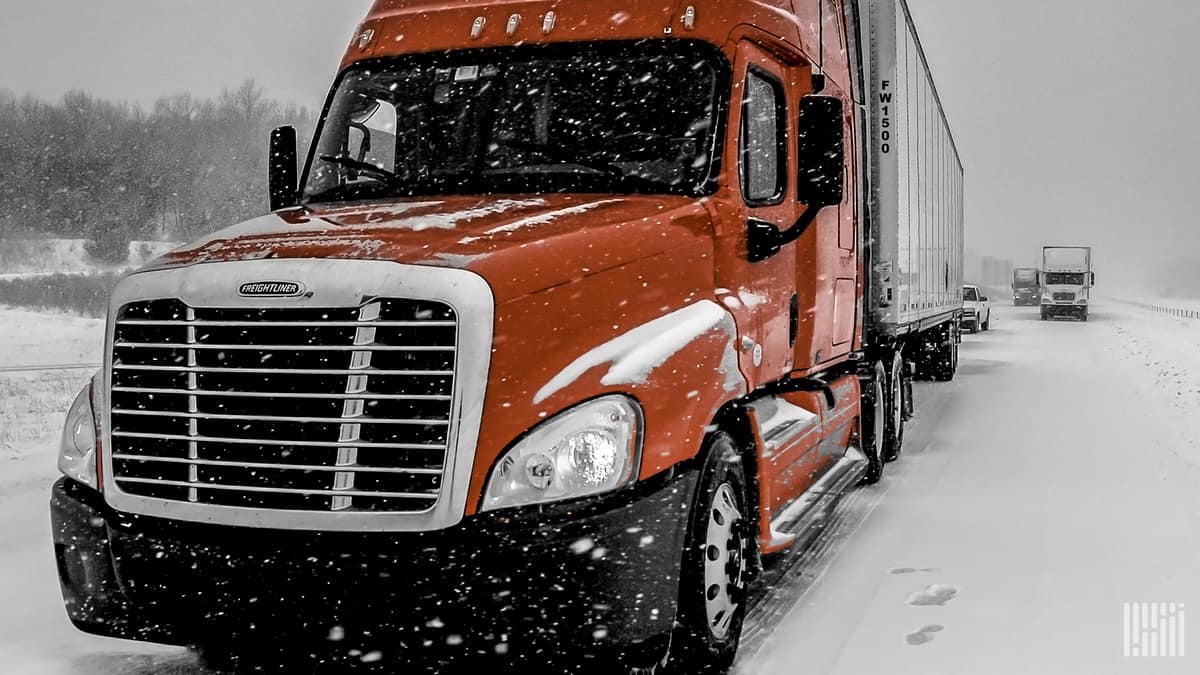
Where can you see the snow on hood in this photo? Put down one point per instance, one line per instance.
(519, 244)
(633, 355)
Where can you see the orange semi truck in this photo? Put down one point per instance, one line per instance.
(577, 314)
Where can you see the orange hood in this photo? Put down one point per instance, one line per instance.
(520, 244)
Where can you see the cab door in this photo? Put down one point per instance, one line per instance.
(759, 186)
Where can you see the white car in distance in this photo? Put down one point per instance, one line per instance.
(977, 310)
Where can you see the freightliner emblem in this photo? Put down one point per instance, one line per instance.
(272, 289)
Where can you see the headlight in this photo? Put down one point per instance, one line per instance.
(1081, 301)
(587, 450)
(77, 451)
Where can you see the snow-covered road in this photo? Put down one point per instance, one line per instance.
(1053, 481)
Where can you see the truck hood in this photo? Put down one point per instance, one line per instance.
(520, 244)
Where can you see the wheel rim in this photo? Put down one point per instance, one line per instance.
(898, 400)
(724, 562)
(880, 416)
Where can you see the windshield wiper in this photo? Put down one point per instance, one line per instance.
(360, 166)
(586, 160)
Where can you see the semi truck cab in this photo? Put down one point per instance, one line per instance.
(562, 328)
(1066, 281)
(1025, 287)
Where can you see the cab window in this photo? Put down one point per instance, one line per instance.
(764, 140)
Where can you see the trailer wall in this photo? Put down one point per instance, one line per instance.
(916, 204)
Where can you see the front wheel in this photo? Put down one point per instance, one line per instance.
(714, 584)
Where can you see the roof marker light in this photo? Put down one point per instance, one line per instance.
(514, 22)
(689, 17)
(549, 22)
(365, 38)
(477, 27)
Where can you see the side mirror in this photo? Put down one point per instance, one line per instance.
(822, 151)
(984, 298)
(1093, 279)
(821, 154)
(282, 178)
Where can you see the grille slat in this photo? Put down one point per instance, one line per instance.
(282, 371)
(294, 324)
(272, 490)
(300, 409)
(265, 441)
(280, 348)
(256, 394)
(287, 467)
(278, 418)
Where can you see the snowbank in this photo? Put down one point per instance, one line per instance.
(33, 403)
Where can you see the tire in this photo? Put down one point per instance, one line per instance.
(873, 423)
(719, 549)
(987, 325)
(943, 364)
(897, 409)
(1084, 316)
(1045, 315)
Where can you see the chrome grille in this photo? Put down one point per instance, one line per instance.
(309, 409)
(1064, 297)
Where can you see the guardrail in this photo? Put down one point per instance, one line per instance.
(38, 369)
(1164, 309)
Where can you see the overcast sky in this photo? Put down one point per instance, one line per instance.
(142, 49)
(1076, 119)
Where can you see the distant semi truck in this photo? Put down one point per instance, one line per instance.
(1067, 280)
(1025, 287)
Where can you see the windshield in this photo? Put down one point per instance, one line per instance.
(1025, 277)
(1064, 278)
(970, 294)
(612, 118)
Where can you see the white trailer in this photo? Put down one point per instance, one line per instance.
(916, 207)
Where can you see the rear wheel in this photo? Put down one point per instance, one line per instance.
(715, 581)
(943, 362)
(897, 409)
(873, 423)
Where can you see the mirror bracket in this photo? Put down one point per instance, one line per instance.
(764, 239)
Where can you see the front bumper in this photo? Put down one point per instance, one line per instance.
(595, 577)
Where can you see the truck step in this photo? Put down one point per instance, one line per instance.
(810, 509)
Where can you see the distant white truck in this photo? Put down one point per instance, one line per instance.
(977, 309)
(1067, 280)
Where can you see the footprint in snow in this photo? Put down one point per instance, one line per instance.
(934, 594)
(924, 635)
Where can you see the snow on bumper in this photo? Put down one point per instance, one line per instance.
(588, 577)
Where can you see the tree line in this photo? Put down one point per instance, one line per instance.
(113, 172)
